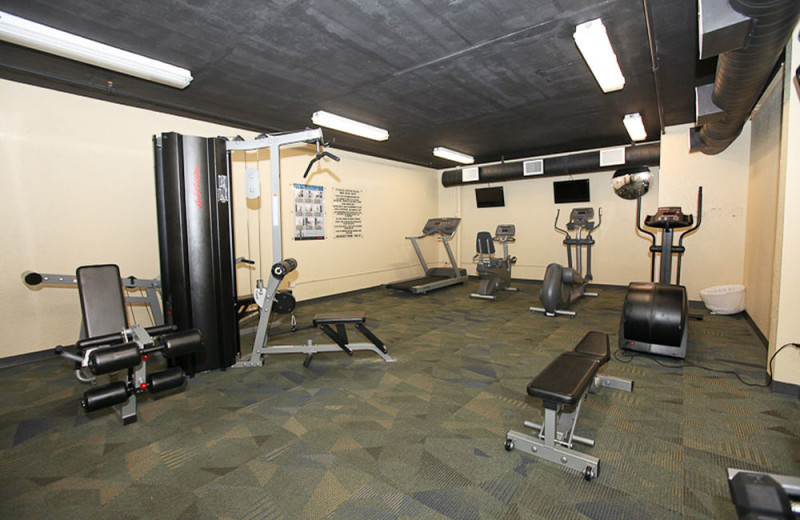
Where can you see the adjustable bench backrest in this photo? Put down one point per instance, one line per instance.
(102, 301)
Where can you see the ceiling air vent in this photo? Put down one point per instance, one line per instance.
(534, 167)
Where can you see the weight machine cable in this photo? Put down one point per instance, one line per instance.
(247, 220)
(260, 202)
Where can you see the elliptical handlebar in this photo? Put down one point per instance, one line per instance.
(599, 220)
(555, 225)
(690, 230)
(699, 218)
(652, 237)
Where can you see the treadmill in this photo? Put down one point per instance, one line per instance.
(435, 277)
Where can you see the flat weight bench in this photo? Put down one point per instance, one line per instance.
(563, 386)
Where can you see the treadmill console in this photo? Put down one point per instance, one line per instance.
(670, 217)
(442, 226)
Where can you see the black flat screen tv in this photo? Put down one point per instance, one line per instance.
(490, 197)
(571, 191)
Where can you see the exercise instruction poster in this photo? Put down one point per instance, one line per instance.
(309, 212)
(347, 213)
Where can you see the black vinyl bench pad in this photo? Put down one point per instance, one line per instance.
(332, 318)
(565, 379)
(594, 344)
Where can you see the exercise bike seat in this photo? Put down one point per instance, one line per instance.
(565, 380)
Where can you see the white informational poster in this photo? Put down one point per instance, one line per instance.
(309, 212)
(347, 213)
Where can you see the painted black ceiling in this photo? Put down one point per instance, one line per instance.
(492, 78)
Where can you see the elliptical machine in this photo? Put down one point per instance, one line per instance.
(494, 273)
(563, 285)
(654, 315)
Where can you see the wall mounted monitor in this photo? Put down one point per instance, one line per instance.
(565, 192)
(490, 197)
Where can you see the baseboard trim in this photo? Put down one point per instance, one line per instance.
(789, 389)
(756, 330)
(27, 358)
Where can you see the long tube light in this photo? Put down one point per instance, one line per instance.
(592, 40)
(20, 31)
(349, 126)
(452, 155)
(635, 127)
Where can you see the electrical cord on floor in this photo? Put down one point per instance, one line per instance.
(618, 356)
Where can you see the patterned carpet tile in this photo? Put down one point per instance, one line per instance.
(422, 438)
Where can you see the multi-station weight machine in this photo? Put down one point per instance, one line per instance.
(195, 223)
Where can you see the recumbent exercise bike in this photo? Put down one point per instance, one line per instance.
(494, 273)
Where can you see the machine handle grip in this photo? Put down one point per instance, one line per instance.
(106, 339)
(317, 158)
(699, 217)
(555, 224)
(599, 218)
(161, 329)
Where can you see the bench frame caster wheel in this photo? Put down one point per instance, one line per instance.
(509, 444)
(588, 473)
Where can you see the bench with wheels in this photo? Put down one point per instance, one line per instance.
(563, 386)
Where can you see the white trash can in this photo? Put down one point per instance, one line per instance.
(724, 299)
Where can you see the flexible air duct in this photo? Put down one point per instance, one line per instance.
(635, 155)
(743, 72)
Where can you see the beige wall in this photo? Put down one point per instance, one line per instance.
(396, 200)
(80, 190)
(529, 206)
(786, 285)
(762, 203)
(715, 252)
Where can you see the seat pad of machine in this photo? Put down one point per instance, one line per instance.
(565, 379)
(594, 344)
(339, 317)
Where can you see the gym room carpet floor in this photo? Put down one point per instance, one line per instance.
(357, 438)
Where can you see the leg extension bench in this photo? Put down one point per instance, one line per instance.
(563, 386)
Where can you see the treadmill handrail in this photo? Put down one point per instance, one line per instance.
(435, 232)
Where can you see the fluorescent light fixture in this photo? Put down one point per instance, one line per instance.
(452, 155)
(46, 39)
(635, 127)
(349, 126)
(592, 40)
